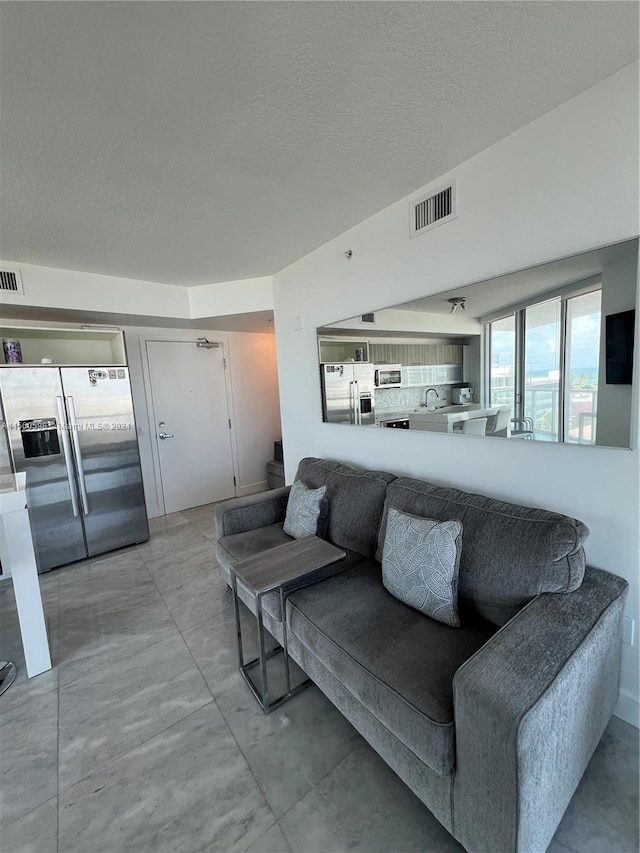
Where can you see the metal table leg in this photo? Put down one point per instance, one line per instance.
(262, 695)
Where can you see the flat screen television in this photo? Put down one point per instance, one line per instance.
(619, 347)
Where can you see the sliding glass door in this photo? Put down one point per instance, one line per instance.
(543, 363)
(502, 364)
(581, 369)
(542, 344)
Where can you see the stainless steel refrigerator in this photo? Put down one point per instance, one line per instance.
(72, 430)
(348, 393)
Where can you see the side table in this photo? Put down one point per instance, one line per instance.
(281, 569)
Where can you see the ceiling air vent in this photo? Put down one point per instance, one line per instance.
(367, 318)
(11, 281)
(435, 209)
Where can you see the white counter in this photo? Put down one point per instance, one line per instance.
(19, 562)
(449, 418)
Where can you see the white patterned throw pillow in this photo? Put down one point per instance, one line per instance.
(420, 562)
(303, 510)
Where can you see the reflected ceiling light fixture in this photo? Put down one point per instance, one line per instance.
(457, 302)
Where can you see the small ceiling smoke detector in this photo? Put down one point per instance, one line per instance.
(457, 302)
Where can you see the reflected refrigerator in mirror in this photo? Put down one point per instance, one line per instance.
(72, 431)
(348, 393)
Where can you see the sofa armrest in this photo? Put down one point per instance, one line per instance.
(530, 707)
(249, 513)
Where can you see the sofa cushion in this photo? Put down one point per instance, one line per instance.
(304, 508)
(420, 562)
(396, 661)
(355, 501)
(510, 553)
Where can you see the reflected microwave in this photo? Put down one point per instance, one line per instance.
(388, 376)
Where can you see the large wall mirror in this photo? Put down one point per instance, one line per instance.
(542, 354)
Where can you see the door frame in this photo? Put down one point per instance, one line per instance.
(150, 405)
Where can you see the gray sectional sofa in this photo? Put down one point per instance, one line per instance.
(490, 724)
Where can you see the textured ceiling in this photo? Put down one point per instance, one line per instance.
(202, 142)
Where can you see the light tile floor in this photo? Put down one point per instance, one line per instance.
(144, 737)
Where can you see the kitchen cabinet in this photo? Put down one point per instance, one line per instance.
(66, 346)
(431, 374)
(339, 350)
(415, 354)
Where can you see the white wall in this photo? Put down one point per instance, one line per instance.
(48, 287)
(563, 184)
(231, 297)
(253, 401)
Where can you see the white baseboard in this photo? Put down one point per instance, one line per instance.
(628, 708)
(252, 488)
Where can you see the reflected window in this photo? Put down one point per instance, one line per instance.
(543, 363)
(581, 370)
(502, 362)
(542, 369)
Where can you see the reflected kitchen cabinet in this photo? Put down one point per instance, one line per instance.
(415, 353)
(432, 374)
(341, 350)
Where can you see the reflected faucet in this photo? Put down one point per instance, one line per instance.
(426, 396)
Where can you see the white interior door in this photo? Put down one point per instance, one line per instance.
(191, 420)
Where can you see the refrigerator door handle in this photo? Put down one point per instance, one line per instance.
(64, 432)
(356, 403)
(78, 454)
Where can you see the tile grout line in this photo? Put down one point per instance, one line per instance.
(110, 761)
(58, 687)
(177, 549)
(186, 645)
(314, 785)
(89, 674)
(250, 769)
(144, 566)
(15, 820)
(214, 698)
(222, 716)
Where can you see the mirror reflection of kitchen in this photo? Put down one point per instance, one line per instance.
(541, 354)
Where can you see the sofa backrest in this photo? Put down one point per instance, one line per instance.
(355, 501)
(510, 553)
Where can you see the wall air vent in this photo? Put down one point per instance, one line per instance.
(433, 210)
(368, 318)
(10, 281)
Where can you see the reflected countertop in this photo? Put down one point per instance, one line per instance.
(412, 411)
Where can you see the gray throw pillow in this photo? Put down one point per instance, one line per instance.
(303, 510)
(420, 561)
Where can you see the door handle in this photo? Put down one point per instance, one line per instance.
(75, 438)
(64, 432)
(356, 403)
(164, 435)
